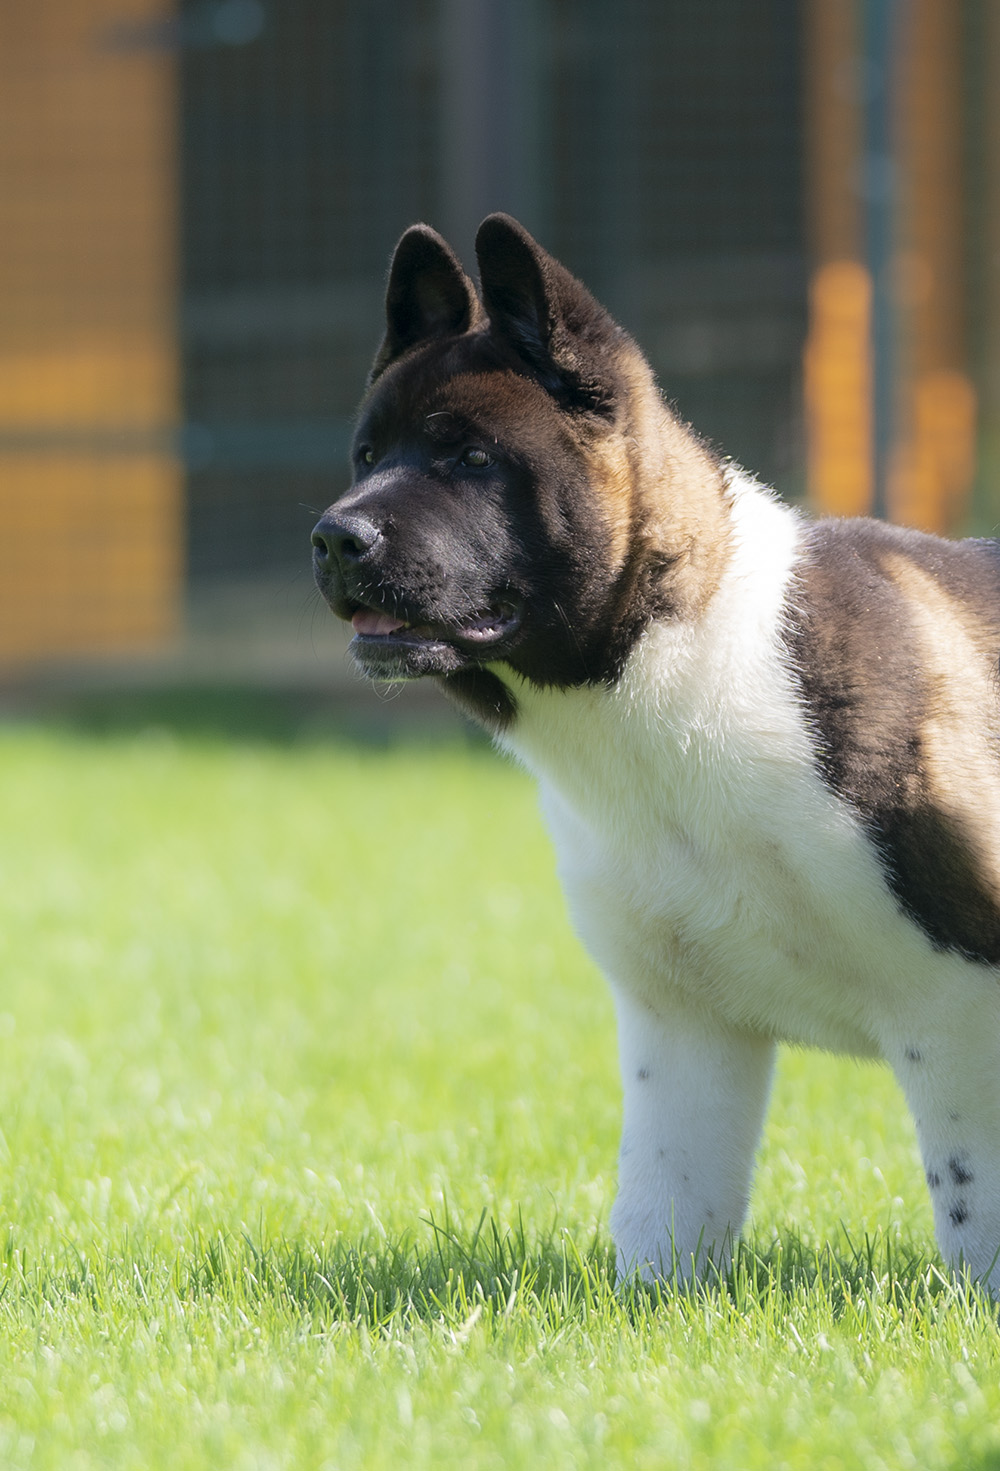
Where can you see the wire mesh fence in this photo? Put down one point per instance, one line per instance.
(198, 202)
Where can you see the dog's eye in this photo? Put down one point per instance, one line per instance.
(476, 459)
(366, 455)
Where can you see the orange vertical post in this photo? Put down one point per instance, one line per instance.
(90, 489)
(989, 182)
(837, 364)
(935, 457)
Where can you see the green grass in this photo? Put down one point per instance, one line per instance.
(308, 1120)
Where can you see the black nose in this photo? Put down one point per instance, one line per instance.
(343, 539)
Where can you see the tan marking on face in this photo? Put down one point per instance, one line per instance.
(612, 474)
(657, 482)
(959, 731)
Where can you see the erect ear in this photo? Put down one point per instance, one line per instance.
(429, 295)
(547, 316)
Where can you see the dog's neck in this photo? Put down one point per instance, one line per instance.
(688, 677)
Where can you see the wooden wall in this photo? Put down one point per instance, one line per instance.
(90, 489)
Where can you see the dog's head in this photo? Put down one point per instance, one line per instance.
(521, 497)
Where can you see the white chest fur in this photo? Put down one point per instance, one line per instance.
(698, 847)
(733, 901)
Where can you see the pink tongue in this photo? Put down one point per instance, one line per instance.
(367, 622)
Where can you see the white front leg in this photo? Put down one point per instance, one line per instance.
(695, 1096)
(948, 1063)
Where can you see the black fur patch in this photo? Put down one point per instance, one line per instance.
(550, 319)
(854, 654)
(428, 295)
(482, 696)
(959, 1171)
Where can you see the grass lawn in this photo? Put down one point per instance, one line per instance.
(308, 1119)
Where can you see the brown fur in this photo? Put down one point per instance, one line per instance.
(958, 733)
(894, 639)
(664, 497)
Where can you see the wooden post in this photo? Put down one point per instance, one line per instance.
(935, 460)
(989, 183)
(838, 377)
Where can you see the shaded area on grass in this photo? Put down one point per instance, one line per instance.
(494, 1275)
(240, 713)
(559, 1281)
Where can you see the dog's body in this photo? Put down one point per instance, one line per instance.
(767, 748)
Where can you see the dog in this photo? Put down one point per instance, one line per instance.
(767, 747)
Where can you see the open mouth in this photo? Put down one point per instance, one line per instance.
(388, 647)
(489, 626)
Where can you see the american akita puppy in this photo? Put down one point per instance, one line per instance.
(767, 748)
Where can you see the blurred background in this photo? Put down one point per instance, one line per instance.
(793, 204)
